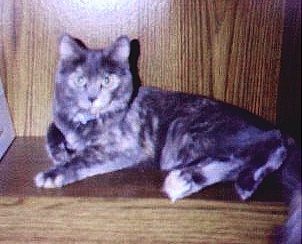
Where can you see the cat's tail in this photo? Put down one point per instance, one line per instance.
(290, 233)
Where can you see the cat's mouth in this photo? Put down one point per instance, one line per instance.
(98, 108)
(90, 112)
(95, 107)
(99, 105)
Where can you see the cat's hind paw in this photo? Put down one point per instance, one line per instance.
(47, 180)
(178, 185)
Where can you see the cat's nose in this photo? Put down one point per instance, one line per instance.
(91, 99)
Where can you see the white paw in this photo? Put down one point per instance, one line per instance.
(176, 186)
(44, 181)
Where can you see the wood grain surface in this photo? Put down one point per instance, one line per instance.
(145, 221)
(229, 50)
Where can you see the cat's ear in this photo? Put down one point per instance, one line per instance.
(70, 47)
(120, 50)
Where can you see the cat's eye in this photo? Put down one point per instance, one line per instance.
(80, 81)
(106, 79)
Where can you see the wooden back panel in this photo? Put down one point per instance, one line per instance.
(229, 50)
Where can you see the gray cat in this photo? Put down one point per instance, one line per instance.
(102, 123)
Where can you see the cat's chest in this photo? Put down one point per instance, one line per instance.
(114, 136)
(127, 137)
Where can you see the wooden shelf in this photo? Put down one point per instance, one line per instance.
(124, 207)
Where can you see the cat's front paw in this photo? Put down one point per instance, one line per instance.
(177, 185)
(49, 179)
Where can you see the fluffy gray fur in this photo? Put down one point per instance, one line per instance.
(101, 125)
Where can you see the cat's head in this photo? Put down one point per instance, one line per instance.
(93, 82)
